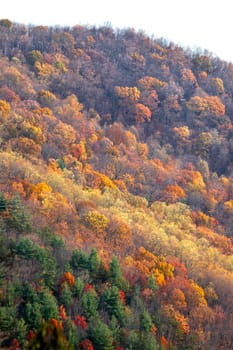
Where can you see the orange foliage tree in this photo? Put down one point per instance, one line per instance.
(206, 105)
(151, 265)
(173, 193)
(142, 113)
(68, 278)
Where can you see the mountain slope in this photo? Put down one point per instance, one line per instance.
(114, 141)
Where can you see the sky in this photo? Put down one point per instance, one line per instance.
(204, 24)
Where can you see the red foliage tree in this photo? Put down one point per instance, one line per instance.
(85, 345)
(80, 321)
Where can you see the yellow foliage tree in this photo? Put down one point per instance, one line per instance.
(206, 105)
(95, 221)
(217, 86)
(4, 110)
(46, 98)
(131, 94)
(41, 190)
(151, 83)
(182, 132)
(195, 295)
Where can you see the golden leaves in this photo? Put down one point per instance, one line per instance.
(206, 105)
(130, 93)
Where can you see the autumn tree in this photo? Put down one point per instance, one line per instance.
(206, 105)
(34, 56)
(46, 98)
(127, 97)
(50, 336)
(173, 193)
(96, 221)
(151, 83)
(188, 80)
(142, 113)
(6, 23)
(20, 83)
(4, 110)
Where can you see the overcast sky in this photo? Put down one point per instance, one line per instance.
(194, 23)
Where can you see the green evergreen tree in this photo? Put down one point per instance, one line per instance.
(79, 259)
(115, 274)
(12, 294)
(71, 333)
(136, 301)
(115, 328)
(49, 308)
(90, 303)
(148, 342)
(58, 249)
(29, 294)
(78, 288)
(33, 315)
(152, 284)
(94, 263)
(7, 253)
(100, 335)
(61, 164)
(66, 295)
(8, 315)
(145, 322)
(48, 266)
(133, 341)
(19, 217)
(46, 234)
(20, 331)
(25, 248)
(112, 303)
(3, 202)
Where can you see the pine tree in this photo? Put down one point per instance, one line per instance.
(33, 315)
(94, 263)
(79, 259)
(25, 248)
(3, 202)
(100, 335)
(66, 295)
(145, 322)
(19, 217)
(49, 308)
(90, 303)
(115, 274)
(112, 303)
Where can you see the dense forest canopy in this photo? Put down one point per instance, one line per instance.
(116, 192)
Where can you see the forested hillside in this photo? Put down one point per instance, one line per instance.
(116, 192)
